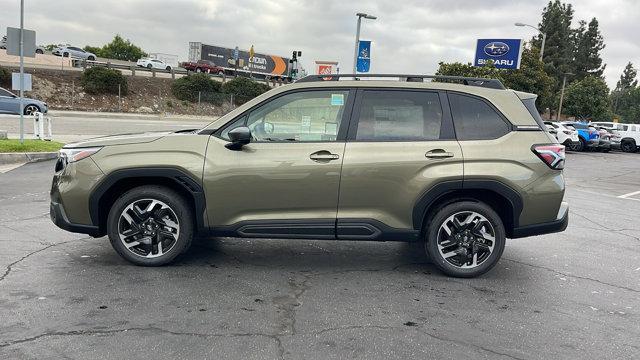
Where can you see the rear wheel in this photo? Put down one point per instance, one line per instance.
(465, 239)
(628, 146)
(150, 225)
(91, 58)
(168, 68)
(149, 66)
(579, 146)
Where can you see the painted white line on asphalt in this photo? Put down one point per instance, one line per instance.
(629, 195)
(7, 168)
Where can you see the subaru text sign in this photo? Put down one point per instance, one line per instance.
(505, 53)
(364, 56)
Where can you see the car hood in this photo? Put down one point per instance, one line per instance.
(123, 139)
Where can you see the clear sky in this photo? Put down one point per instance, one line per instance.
(410, 36)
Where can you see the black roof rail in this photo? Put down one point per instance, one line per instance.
(481, 82)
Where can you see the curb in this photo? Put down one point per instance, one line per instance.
(13, 158)
(116, 115)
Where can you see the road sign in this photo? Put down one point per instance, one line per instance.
(504, 53)
(15, 81)
(13, 42)
(364, 56)
(236, 53)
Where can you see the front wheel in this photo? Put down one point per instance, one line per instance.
(150, 225)
(31, 109)
(628, 146)
(168, 68)
(465, 239)
(149, 66)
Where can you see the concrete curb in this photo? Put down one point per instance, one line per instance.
(14, 158)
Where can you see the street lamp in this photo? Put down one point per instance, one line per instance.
(544, 36)
(355, 51)
(564, 82)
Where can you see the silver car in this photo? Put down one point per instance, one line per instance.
(74, 52)
(10, 104)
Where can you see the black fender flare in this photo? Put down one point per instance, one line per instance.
(441, 189)
(179, 177)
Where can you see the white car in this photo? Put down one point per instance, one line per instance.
(73, 52)
(153, 64)
(566, 135)
(629, 134)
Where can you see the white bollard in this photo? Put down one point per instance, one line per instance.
(39, 124)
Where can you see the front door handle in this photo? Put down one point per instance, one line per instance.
(323, 156)
(438, 154)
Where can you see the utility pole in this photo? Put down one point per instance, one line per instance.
(21, 71)
(564, 82)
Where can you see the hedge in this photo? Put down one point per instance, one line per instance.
(188, 87)
(100, 80)
(244, 89)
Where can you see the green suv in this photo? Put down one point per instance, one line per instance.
(459, 164)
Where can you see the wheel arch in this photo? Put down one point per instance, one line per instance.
(116, 183)
(505, 201)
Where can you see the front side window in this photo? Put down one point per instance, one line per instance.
(299, 116)
(474, 119)
(4, 92)
(399, 116)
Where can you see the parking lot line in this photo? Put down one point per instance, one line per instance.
(629, 195)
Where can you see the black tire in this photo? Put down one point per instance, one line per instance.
(29, 109)
(39, 51)
(434, 231)
(91, 58)
(198, 70)
(180, 209)
(628, 146)
(221, 73)
(149, 66)
(168, 68)
(66, 54)
(581, 146)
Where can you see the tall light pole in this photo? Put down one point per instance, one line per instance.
(355, 51)
(564, 82)
(544, 36)
(21, 71)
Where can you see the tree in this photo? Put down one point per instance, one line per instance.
(626, 84)
(588, 45)
(629, 108)
(559, 47)
(588, 99)
(121, 49)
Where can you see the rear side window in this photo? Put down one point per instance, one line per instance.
(530, 104)
(474, 119)
(399, 115)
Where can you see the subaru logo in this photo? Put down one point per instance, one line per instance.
(496, 48)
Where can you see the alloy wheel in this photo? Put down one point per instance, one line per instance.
(148, 228)
(30, 109)
(466, 239)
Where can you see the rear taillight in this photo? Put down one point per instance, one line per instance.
(551, 154)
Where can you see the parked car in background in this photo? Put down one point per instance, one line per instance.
(587, 135)
(153, 64)
(567, 136)
(40, 49)
(629, 134)
(73, 52)
(3, 42)
(10, 104)
(206, 66)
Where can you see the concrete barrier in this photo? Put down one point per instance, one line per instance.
(16, 158)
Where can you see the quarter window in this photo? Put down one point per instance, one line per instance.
(299, 116)
(399, 115)
(474, 119)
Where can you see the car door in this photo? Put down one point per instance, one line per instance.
(400, 145)
(9, 104)
(285, 182)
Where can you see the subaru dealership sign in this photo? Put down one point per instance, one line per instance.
(505, 53)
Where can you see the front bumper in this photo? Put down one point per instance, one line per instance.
(604, 144)
(592, 143)
(59, 218)
(558, 225)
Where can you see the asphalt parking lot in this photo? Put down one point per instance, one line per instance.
(573, 295)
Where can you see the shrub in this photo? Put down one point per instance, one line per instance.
(5, 77)
(100, 80)
(244, 89)
(188, 87)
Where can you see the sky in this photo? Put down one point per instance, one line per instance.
(409, 36)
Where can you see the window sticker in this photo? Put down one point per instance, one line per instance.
(306, 121)
(337, 99)
(331, 128)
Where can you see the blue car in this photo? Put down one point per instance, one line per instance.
(10, 104)
(588, 135)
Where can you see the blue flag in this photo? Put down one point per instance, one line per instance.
(364, 56)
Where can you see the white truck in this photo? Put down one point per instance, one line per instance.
(629, 133)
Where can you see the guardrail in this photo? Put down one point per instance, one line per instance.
(82, 63)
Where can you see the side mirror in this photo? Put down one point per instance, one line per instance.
(239, 137)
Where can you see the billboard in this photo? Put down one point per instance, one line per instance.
(364, 56)
(326, 67)
(258, 63)
(505, 53)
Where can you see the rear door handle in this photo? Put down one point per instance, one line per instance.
(323, 155)
(438, 154)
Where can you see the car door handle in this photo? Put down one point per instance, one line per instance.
(438, 154)
(323, 155)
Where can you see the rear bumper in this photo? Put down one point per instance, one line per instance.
(59, 218)
(558, 225)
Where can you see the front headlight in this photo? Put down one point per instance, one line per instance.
(73, 155)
